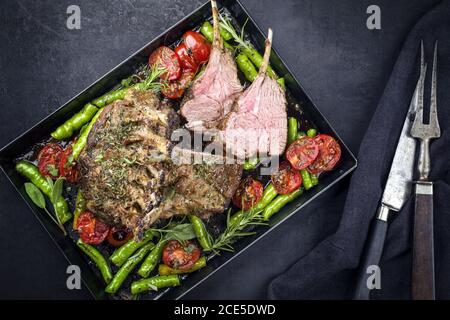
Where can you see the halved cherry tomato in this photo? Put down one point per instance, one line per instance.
(91, 230)
(166, 58)
(118, 236)
(286, 180)
(175, 89)
(67, 169)
(186, 58)
(329, 154)
(302, 152)
(49, 159)
(180, 256)
(248, 194)
(198, 45)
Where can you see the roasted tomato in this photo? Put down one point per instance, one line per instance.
(117, 236)
(48, 160)
(180, 256)
(67, 169)
(91, 230)
(186, 58)
(248, 194)
(329, 154)
(175, 89)
(286, 180)
(302, 152)
(198, 45)
(165, 58)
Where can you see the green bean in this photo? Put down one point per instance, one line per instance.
(127, 267)
(279, 202)
(98, 259)
(257, 59)
(31, 172)
(110, 97)
(301, 134)
(165, 270)
(314, 179)
(152, 260)
(251, 163)
(208, 31)
(311, 133)
(80, 206)
(155, 283)
(79, 119)
(121, 254)
(246, 66)
(306, 179)
(292, 129)
(81, 142)
(268, 195)
(202, 234)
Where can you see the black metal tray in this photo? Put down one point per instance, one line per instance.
(304, 109)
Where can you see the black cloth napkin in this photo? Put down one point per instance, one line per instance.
(330, 269)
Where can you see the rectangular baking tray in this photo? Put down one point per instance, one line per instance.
(305, 109)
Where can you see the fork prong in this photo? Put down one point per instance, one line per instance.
(418, 119)
(434, 123)
(422, 57)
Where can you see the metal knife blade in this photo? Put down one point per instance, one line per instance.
(399, 182)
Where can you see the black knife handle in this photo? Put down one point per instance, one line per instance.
(374, 250)
(423, 246)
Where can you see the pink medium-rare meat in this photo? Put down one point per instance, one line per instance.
(258, 123)
(211, 96)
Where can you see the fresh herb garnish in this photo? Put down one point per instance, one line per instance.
(51, 168)
(38, 199)
(235, 230)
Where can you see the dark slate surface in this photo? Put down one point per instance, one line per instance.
(341, 64)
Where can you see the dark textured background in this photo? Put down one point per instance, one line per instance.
(342, 64)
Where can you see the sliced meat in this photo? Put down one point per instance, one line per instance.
(211, 96)
(258, 123)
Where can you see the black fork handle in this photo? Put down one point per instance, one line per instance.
(423, 247)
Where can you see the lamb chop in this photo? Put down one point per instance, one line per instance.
(211, 97)
(258, 122)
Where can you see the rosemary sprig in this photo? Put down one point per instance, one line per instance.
(238, 38)
(150, 83)
(236, 230)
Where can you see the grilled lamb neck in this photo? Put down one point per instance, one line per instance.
(127, 173)
(211, 96)
(258, 122)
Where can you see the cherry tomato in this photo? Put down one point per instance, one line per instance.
(91, 230)
(167, 59)
(118, 236)
(67, 169)
(286, 180)
(186, 58)
(49, 159)
(198, 45)
(180, 256)
(175, 89)
(302, 152)
(329, 154)
(248, 194)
